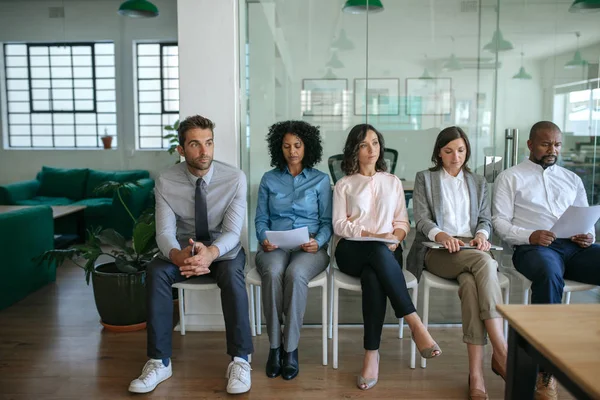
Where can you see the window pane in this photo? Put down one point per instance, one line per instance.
(41, 118)
(171, 94)
(172, 105)
(84, 94)
(149, 108)
(19, 130)
(105, 72)
(64, 141)
(60, 51)
(84, 105)
(62, 105)
(145, 97)
(171, 83)
(170, 61)
(16, 61)
(64, 119)
(82, 72)
(16, 73)
(39, 61)
(18, 96)
(42, 141)
(148, 73)
(16, 84)
(61, 72)
(82, 61)
(171, 50)
(172, 72)
(149, 85)
(40, 94)
(18, 119)
(105, 60)
(23, 141)
(109, 107)
(62, 94)
(154, 130)
(87, 141)
(150, 120)
(15, 50)
(110, 119)
(105, 95)
(62, 83)
(148, 49)
(38, 51)
(104, 48)
(169, 119)
(86, 130)
(85, 83)
(18, 107)
(67, 130)
(85, 118)
(150, 143)
(41, 83)
(41, 129)
(149, 61)
(81, 50)
(60, 61)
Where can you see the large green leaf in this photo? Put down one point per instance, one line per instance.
(143, 236)
(126, 267)
(113, 238)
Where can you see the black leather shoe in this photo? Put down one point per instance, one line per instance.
(290, 365)
(274, 362)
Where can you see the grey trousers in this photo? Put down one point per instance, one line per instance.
(285, 276)
(479, 289)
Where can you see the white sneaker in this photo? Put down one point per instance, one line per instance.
(238, 373)
(153, 373)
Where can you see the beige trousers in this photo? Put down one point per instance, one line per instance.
(479, 291)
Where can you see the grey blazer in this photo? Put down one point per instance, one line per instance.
(428, 211)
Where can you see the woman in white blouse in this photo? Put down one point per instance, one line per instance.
(369, 202)
(452, 207)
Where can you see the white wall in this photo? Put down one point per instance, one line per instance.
(27, 21)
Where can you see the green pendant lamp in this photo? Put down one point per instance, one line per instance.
(522, 74)
(498, 43)
(138, 9)
(583, 6)
(363, 6)
(577, 60)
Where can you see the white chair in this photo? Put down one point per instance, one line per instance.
(197, 283)
(343, 281)
(321, 280)
(431, 281)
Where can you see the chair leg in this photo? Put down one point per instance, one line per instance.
(336, 293)
(251, 310)
(324, 317)
(401, 328)
(258, 307)
(330, 293)
(181, 312)
(413, 347)
(506, 293)
(425, 316)
(566, 298)
(526, 295)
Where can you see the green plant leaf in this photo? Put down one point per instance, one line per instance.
(144, 237)
(126, 267)
(113, 238)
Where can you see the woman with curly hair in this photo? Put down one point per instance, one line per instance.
(369, 202)
(290, 196)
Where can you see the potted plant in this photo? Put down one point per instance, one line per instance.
(106, 140)
(173, 139)
(119, 285)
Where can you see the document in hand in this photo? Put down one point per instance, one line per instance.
(373, 239)
(575, 221)
(287, 240)
(434, 245)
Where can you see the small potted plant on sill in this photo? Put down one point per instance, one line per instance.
(120, 284)
(106, 140)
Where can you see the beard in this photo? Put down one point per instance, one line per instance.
(199, 163)
(546, 161)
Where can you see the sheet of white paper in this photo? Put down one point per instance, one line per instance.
(434, 245)
(372, 239)
(575, 221)
(288, 240)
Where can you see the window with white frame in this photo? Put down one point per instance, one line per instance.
(60, 95)
(157, 92)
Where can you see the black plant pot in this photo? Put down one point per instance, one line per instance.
(120, 297)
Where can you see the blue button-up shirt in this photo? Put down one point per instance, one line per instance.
(286, 202)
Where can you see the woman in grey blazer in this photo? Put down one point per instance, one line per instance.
(452, 207)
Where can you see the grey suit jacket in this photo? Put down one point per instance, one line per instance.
(428, 211)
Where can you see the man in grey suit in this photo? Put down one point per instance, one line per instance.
(200, 209)
(452, 207)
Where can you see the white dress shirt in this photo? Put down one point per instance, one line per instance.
(456, 200)
(529, 198)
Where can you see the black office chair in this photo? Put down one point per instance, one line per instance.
(335, 163)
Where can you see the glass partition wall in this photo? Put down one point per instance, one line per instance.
(411, 69)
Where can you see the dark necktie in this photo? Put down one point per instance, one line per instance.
(202, 234)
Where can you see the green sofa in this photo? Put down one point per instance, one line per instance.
(60, 186)
(24, 234)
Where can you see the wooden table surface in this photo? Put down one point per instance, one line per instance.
(57, 211)
(568, 335)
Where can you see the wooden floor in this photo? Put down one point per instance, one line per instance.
(53, 347)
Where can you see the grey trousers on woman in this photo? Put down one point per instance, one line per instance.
(285, 276)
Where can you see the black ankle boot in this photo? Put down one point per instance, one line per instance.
(290, 365)
(274, 362)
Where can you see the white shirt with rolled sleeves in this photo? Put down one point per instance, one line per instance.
(175, 208)
(529, 198)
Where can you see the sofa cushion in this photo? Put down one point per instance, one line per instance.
(62, 182)
(45, 201)
(96, 207)
(96, 178)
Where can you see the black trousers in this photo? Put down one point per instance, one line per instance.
(229, 275)
(381, 277)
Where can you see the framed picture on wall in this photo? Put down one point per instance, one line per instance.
(323, 97)
(376, 96)
(434, 95)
